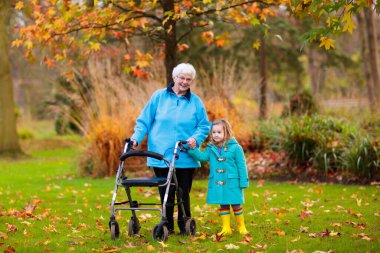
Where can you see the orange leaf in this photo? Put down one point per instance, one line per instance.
(16, 43)
(182, 47)
(49, 62)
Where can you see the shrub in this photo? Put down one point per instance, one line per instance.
(270, 134)
(25, 134)
(372, 126)
(301, 103)
(318, 141)
(363, 158)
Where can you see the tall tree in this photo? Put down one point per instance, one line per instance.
(9, 143)
(365, 60)
(264, 78)
(373, 52)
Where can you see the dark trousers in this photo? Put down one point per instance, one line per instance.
(185, 181)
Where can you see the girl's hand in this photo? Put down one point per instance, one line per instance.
(192, 143)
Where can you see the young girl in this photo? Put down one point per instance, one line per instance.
(228, 174)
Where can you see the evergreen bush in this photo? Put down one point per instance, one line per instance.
(363, 158)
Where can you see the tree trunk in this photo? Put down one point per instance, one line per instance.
(365, 60)
(90, 3)
(170, 38)
(373, 53)
(314, 69)
(264, 81)
(9, 143)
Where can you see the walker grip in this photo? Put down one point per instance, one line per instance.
(141, 153)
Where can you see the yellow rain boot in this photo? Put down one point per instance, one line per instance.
(240, 221)
(226, 220)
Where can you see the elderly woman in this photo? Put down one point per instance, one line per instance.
(173, 114)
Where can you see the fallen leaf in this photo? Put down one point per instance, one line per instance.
(9, 249)
(325, 233)
(333, 233)
(231, 246)
(129, 245)
(149, 248)
(260, 246)
(163, 245)
(3, 236)
(201, 237)
(296, 239)
(11, 228)
(218, 238)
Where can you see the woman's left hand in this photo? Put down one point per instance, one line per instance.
(192, 143)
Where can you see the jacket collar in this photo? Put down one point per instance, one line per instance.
(170, 90)
(229, 143)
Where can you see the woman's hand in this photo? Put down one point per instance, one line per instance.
(134, 144)
(192, 143)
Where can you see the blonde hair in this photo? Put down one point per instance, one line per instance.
(228, 133)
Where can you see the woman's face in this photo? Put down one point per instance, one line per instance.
(217, 133)
(182, 83)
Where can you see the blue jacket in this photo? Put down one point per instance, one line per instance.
(167, 118)
(228, 172)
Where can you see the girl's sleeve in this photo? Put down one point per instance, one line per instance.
(242, 167)
(146, 118)
(199, 155)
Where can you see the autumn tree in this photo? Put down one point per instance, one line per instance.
(73, 30)
(8, 135)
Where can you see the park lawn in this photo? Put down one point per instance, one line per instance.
(46, 207)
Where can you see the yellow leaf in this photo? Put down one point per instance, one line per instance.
(336, 225)
(95, 46)
(142, 63)
(256, 45)
(163, 245)
(327, 43)
(19, 5)
(358, 202)
(349, 26)
(296, 239)
(349, 7)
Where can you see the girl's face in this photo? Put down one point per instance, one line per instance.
(217, 133)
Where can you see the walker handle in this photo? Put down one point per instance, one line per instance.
(181, 147)
(128, 140)
(141, 153)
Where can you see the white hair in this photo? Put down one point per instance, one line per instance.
(184, 68)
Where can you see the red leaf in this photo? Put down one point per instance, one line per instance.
(10, 249)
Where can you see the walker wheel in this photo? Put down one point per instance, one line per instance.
(133, 227)
(191, 227)
(115, 232)
(160, 233)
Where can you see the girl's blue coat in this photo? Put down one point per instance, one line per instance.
(167, 118)
(228, 172)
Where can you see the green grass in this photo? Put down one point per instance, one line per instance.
(72, 213)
